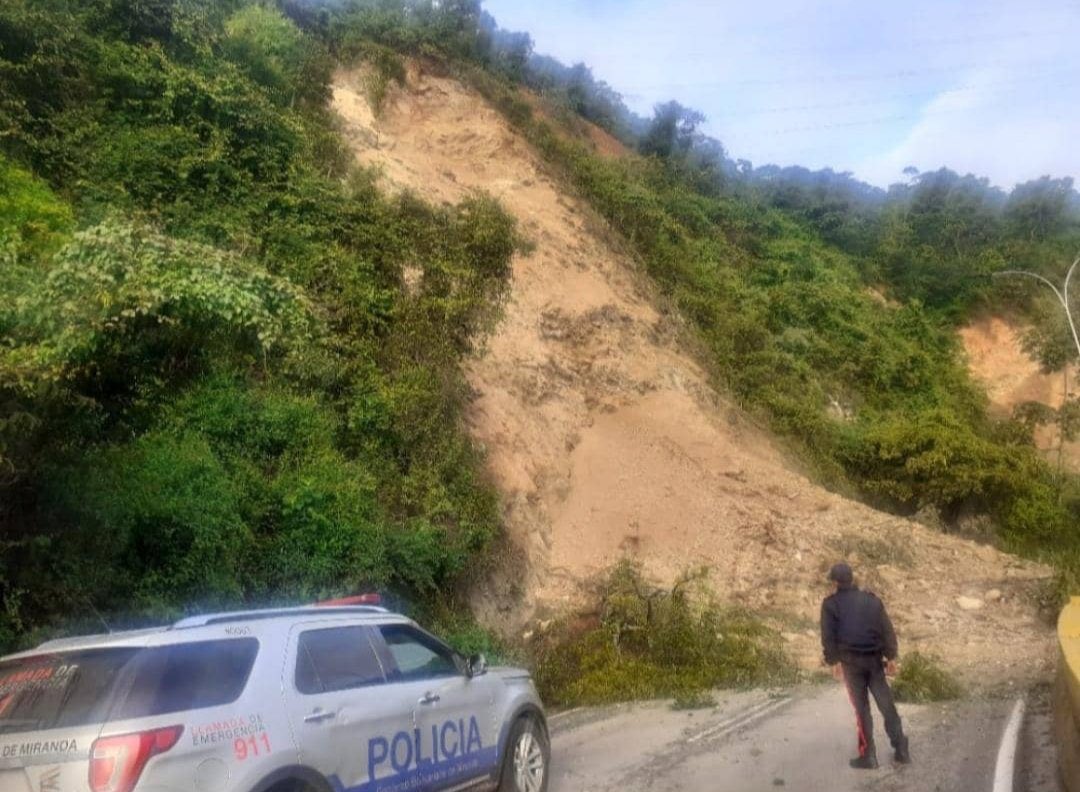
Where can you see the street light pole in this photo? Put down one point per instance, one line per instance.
(1063, 298)
(1061, 294)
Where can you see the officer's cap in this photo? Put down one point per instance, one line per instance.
(842, 574)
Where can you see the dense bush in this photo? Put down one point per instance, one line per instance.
(649, 642)
(248, 388)
(922, 680)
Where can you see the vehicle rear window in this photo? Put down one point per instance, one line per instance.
(53, 691)
(71, 689)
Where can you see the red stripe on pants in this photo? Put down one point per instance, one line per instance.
(863, 744)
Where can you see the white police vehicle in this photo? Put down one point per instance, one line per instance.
(311, 699)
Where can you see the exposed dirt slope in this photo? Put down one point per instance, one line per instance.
(606, 439)
(996, 357)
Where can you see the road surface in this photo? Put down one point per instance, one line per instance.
(799, 739)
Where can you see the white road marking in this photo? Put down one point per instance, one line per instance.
(1005, 769)
(744, 718)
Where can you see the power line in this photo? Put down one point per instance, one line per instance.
(1012, 84)
(896, 46)
(898, 74)
(876, 121)
(1069, 13)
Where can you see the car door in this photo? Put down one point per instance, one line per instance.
(340, 707)
(456, 739)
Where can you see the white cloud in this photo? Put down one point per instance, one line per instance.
(1009, 132)
(866, 87)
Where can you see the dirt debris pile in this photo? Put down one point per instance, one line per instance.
(606, 440)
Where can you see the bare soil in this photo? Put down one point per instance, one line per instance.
(606, 439)
(996, 357)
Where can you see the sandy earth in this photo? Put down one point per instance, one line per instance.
(997, 358)
(606, 440)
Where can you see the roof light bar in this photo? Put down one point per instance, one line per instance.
(359, 599)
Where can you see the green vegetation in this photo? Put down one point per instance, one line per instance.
(387, 68)
(655, 643)
(215, 385)
(692, 700)
(218, 385)
(922, 680)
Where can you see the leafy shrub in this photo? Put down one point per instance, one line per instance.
(158, 523)
(922, 680)
(276, 54)
(116, 287)
(387, 67)
(248, 325)
(32, 219)
(652, 643)
(691, 700)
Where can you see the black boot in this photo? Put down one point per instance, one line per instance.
(902, 755)
(866, 762)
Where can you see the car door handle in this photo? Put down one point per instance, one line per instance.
(318, 716)
(430, 698)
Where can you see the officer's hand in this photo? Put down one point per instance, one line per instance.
(838, 672)
(890, 668)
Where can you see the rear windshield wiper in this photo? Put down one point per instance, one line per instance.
(22, 724)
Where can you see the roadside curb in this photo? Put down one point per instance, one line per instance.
(1067, 696)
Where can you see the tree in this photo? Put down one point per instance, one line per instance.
(672, 131)
(941, 238)
(1040, 209)
(510, 51)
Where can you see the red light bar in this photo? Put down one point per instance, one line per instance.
(359, 599)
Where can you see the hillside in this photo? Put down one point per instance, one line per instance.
(303, 298)
(606, 439)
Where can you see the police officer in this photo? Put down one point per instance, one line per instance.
(860, 645)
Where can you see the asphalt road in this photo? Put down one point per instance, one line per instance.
(798, 739)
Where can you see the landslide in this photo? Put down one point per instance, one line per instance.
(607, 441)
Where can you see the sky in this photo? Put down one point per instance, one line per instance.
(866, 86)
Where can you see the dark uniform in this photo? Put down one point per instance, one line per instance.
(856, 632)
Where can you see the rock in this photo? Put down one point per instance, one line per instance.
(969, 603)
(993, 595)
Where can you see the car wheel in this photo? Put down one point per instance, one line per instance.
(525, 764)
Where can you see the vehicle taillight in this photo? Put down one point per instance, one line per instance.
(117, 762)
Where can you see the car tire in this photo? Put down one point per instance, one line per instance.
(527, 760)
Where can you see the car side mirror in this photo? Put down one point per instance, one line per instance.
(476, 666)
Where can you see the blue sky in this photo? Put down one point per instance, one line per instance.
(991, 88)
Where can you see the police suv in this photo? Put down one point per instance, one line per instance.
(311, 699)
